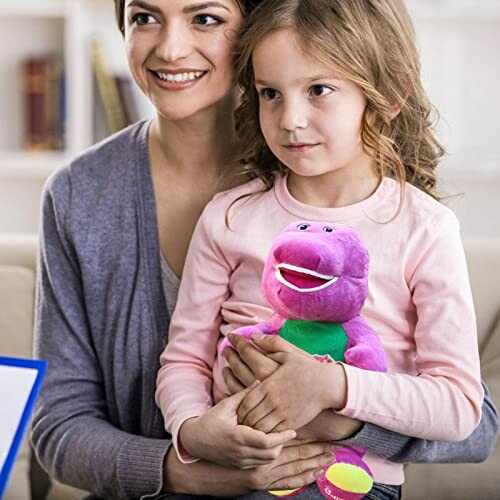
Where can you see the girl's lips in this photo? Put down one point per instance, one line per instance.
(168, 85)
(300, 147)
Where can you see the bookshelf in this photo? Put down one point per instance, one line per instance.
(458, 40)
(35, 29)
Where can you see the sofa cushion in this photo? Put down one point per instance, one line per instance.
(483, 262)
(464, 481)
(17, 288)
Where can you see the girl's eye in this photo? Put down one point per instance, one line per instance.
(320, 90)
(142, 19)
(303, 227)
(269, 94)
(207, 20)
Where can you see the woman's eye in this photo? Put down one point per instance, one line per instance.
(269, 94)
(207, 20)
(320, 90)
(142, 18)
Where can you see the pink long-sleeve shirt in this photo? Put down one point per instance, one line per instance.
(419, 303)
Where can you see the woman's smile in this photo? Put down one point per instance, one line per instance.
(177, 79)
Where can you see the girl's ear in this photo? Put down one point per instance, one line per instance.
(396, 107)
(395, 110)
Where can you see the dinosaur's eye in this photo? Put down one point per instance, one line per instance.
(303, 227)
(328, 229)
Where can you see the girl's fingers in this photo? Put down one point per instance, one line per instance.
(273, 344)
(238, 368)
(256, 439)
(258, 363)
(251, 400)
(258, 456)
(262, 410)
(232, 383)
(271, 422)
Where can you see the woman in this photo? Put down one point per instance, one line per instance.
(116, 225)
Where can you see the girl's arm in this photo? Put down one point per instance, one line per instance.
(405, 449)
(185, 381)
(246, 363)
(442, 400)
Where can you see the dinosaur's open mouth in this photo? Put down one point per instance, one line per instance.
(301, 279)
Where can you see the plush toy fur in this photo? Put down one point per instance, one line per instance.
(316, 281)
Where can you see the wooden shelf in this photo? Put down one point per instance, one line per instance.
(35, 8)
(36, 166)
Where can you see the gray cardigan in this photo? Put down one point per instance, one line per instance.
(101, 323)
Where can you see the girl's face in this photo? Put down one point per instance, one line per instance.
(180, 52)
(310, 119)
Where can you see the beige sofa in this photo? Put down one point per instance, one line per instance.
(429, 482)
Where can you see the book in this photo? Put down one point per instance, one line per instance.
(34, 90)
(20, 382)
(44, 103)
(108, 90)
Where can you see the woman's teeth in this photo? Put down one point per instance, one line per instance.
(180, 77)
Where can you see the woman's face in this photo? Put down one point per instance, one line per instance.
(180, 52)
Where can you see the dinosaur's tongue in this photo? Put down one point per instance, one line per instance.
(301, 280)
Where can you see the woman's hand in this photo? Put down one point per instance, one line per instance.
(298, 464)
(217, 437)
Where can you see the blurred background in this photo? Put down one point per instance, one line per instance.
(64, 85)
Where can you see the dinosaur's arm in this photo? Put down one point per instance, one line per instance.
(270, 327)
(364, 349)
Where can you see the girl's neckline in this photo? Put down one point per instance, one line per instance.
(356, 210)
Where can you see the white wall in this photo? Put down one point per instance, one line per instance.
(460, 48)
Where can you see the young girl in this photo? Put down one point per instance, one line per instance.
(335, 127)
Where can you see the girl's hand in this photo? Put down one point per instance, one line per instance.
(217, 437)
(329, 426)
(246, 364)
(295, 393)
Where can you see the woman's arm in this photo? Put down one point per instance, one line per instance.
(71, 433)
(299, 464)
(248, 363)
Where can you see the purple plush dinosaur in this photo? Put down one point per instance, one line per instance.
(316, 281)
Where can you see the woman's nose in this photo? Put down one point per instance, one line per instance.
(293, 116)
(175, 43)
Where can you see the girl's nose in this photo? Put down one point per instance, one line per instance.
(175, 43)
(293, 116)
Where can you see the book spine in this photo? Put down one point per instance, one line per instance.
(113, 108)
(34, 75)
(53, 102)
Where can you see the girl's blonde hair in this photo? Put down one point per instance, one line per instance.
(369, 42)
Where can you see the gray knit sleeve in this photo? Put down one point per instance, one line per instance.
(404, 449)
(71, 432)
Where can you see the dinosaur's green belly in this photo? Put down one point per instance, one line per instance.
(317, 338)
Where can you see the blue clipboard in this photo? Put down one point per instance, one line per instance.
(24, 376)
